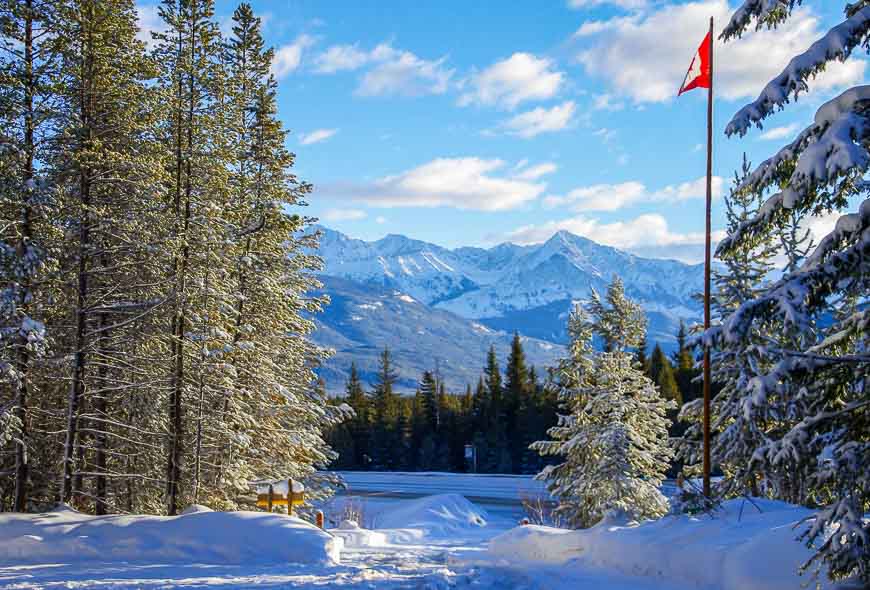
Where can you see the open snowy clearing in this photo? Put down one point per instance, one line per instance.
(436, 542)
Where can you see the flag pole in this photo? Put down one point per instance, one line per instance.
(707, 263)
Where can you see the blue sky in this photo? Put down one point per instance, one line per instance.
(473, 123)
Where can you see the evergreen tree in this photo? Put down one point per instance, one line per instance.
(517, 401)
(612, 437)
(386, 410)
(662, 374)
(809, 388)
(640, 355)
(29, 64)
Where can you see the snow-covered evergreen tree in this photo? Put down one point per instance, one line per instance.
(613, 432)
(817, 378)
(740, 278)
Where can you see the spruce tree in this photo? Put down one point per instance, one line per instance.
(612, 436)
(29, 65)
(517, 400)
(662, 373)
(816, 376)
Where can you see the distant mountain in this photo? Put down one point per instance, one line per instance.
(362, 319)
(430, 304)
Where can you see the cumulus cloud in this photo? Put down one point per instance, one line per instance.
(534, 172)
(344, 215)
(507, 83)
(339, 58)
(316, 136)
(389, 71)
(784, 132)
(288, 57)
(541, 120)
(612, 197)
(645, 235)
(646, 56)
(461, 183)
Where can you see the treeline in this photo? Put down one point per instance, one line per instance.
(428, 431)
(500, 416)
(153, 342)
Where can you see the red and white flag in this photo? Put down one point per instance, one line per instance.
(698, 75)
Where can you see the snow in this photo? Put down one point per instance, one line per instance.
(836, 44)
(279, 486)
(65, 536)
(744, 546)
(431, 543)
(441, 515)
(475, 283)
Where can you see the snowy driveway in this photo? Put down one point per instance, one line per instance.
(431, 566)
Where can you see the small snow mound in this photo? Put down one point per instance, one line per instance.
(66, 536)
(194, 508)
(443, 514)
(348, 525)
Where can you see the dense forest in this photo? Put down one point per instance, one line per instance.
(500, 415)
(155, 264)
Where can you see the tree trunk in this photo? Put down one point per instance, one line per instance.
(23, 360)
(80, 358)
(101, 410)
(175, 417)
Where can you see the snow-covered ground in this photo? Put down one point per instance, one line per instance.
(435, 542)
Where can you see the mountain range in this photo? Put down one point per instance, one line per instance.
(437, 306)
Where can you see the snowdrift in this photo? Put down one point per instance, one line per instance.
(355, 536)
(440, 515)
(200, 536)
(730, 551)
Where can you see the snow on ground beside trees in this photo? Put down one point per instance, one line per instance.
(744, 546)
(204, 537)
(437, 542)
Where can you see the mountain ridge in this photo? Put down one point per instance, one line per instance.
(508, 287)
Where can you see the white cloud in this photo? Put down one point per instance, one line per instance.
(462, 183)
(344, 215)
(541, 120)
(645, 235)
(646, 57)
(316, 136)
(520, 78)
(606, 102)
(612, 197)
(406, 75)
(149, 21)
(340, 58)
(391, 71)
(780, 132)
(605, 134)
(535, 172)
(380, 220)
(288, 57)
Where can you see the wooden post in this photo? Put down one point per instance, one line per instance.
(271, 493)
(289, 497)
(318, 517)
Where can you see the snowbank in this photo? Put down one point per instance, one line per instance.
(355, 536)
(202, 537)
(755, 551)
(441, 515)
